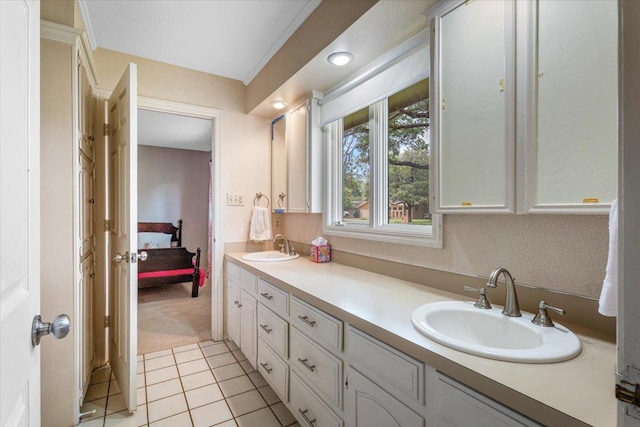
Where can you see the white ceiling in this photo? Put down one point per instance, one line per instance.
(173, 131)
(229, 38)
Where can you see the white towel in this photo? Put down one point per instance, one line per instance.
(260, 228)
(609, 295)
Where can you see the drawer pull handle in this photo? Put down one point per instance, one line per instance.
(266, 367)
(304, 415)
(266, 328)
(267, 296)
(306, 320)
(306, 365)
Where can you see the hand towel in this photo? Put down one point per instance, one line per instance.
(609, 295)
(260, 228)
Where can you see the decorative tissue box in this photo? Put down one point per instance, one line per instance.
(321, 253)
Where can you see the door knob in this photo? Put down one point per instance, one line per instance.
(119, 257)
(59, 328)
(142, 256)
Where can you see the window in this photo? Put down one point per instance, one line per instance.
(379, 163)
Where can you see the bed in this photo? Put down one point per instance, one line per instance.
(167, 262)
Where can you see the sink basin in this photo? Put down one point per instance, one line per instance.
(490, 334)
(268, 256)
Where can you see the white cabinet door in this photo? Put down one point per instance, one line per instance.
(233, 312)
(249, 327)
(573, 141)
(472, 112)
(368, 405)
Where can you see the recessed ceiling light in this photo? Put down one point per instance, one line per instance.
(340, 58)
(278, 105)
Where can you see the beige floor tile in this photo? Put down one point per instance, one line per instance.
(100, 375)
(158, 354)
(115, 403)
(161, 375)
(186, 348)
(192, 367)
(197, 380)
(283, 414)
(246, 365)
(114, 388)
(164, 389)
(92, 422)
(216, 348)
(221, 360)
(140, 357)
(250, 401)
(269, 395)
(159, 363)
(227, 372)
(141, 396)
(261, 418)
(179, 420)
(257, 379)
(140, 367)
(203, 396)
(206, 343)
(189, 355)
(236, 386)
(125, 419)
(211, 414)
(232, 346)
(230, 423)
(96, 391)
(140, 380)
(99, 405)
(166, 407)
(239, 355)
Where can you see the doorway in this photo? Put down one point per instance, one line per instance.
(177, 159)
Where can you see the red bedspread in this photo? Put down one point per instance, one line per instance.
(167, 273)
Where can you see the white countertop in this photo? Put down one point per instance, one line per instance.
(573, 392)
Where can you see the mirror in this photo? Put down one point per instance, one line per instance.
(279, 164)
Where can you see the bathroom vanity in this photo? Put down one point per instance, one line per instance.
(337, 345)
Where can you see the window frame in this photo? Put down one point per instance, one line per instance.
(378, 228)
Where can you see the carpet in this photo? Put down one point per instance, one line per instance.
(168, 317)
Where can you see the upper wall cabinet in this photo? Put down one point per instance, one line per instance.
(472, 106)
(297, 168)
(572, 141)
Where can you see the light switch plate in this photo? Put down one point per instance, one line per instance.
(235, 199)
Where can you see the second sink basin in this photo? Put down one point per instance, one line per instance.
(268, 256)
(490, 334)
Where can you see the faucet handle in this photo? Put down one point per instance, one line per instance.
(543, 318)
(482, 301)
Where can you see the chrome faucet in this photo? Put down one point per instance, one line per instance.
(511, 307)
(287, 248)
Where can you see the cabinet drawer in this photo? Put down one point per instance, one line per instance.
(233, 272)
(453, 404)
(277, 300)
(308, 408)
(248, 282)
(316, 324)
(388, 367)
(274, 370)
(321, 369)
(273, 330)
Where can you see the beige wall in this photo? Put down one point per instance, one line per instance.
(56, 244)
(561, 252)
(244, 161)
(174, 184)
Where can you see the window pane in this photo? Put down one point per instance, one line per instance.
(408, 166)
(355, 168)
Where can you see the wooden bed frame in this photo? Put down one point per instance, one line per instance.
(169, 265)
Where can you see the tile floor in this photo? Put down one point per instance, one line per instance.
(206, 384)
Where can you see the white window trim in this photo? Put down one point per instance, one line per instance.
(377, 229)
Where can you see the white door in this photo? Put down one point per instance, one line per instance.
(19, 211)
(123, 286)
(628, 368)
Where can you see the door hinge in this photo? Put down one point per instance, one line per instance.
(106, 129)
(107, 321)
(107, 225)
(628, 396)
